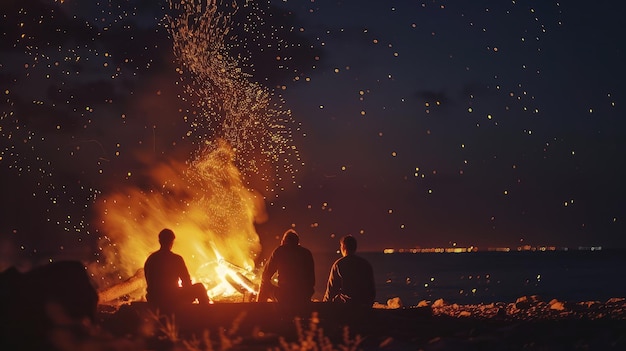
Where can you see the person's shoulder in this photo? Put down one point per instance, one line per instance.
(152, 255)
(338, 261)
(306, 251)
(341, 260)
(355, 258)
(278, 249)
(363, 259)
(365, 263)
(178, 257)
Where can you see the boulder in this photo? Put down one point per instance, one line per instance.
(56, 296)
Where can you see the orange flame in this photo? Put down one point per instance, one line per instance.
(205, 204)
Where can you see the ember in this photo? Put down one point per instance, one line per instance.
(244, 139)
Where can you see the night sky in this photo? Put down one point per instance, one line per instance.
(416, 123)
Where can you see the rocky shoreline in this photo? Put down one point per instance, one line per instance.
(527, 324)
(55, 307)
(527, 308)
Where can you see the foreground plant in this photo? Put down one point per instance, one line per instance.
(313, 338)
(169, 331)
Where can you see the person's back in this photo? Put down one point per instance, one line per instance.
(167, 278)
(351, 278)
(296, 272)
(163, 269)
(357, 286)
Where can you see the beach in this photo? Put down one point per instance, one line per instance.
(52, 308)
(527, 324)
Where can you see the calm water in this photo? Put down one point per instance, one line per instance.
(492, 276)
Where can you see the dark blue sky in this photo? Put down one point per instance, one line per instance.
(419, 123)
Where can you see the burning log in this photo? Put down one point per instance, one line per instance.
(237, 279)
(243, 285)
(231, 266)
(130, 285)
(251, 286)
(239, 287)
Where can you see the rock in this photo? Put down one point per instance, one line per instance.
(465, 314)
(422, 303)
(616, 300)
(394, 303)
(438, 303)
(556, 305)
(522, 303)
(379, 305)
(501, 313)
(57, 296)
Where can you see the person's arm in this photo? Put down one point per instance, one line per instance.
(147, 270)
(372, 283)
(311, 272)
(333, 285)
(266, 279)
(184, 273)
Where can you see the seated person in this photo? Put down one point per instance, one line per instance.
(169, 283)
(351, 278)
(296, 273)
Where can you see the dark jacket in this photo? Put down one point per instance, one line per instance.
(163, 270)
(351, 280)
(296, 273)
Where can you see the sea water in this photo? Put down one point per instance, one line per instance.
(485, 277)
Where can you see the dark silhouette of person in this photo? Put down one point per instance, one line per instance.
(351, 278)
(169, 283)
(296, 273)
(46, 305)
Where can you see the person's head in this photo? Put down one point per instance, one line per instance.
(166, 238)
(347, 245)
(290, 238)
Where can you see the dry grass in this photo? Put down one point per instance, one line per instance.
(313, 338)
(309, 337)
